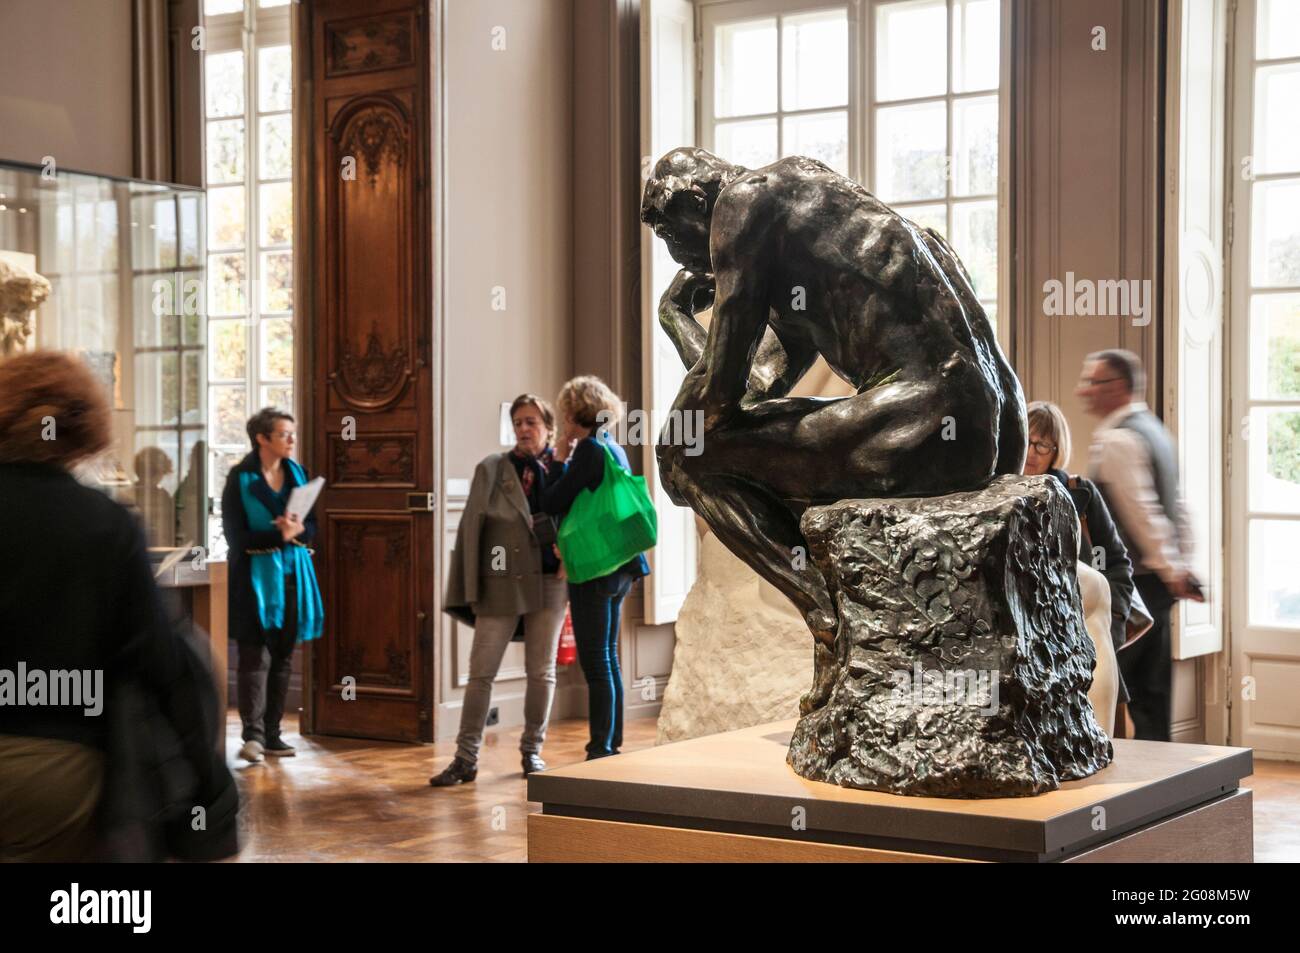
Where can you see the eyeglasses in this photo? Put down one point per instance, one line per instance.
(1093, 381)
(1043, 447)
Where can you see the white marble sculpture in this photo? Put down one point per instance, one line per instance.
(22, 290)
(743, 656)
(1096, 619)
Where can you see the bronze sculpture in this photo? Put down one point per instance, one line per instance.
(887, 304)
(798, 261)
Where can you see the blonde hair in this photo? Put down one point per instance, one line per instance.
(1047, 420)
(589, 401)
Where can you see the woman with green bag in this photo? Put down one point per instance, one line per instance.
(608, 521)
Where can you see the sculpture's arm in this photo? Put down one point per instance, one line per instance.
(778, 365)
(720, 379)
(677, 310)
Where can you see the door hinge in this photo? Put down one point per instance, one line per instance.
(421, 502)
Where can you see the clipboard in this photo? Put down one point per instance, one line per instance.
(303, 498)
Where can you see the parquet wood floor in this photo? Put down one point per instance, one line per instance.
(342, 799)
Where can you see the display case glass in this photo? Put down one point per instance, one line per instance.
(125, 264)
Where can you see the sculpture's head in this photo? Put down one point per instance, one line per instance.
(679, 199)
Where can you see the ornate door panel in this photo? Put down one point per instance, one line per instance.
(372, 409)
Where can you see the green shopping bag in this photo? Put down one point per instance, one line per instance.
(608, 526)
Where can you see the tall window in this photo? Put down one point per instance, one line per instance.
(901, 95)
(248, 81)
(1269, 283)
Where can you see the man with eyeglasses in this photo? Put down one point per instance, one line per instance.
(1136, 469)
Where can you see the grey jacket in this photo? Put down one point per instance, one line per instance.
(496, 565)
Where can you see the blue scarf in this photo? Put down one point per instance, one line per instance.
(267, 570)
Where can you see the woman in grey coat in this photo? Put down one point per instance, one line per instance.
(505, 576)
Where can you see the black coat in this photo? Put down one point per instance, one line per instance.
(243, 624)
(77, 592)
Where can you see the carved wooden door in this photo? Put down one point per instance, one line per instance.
(365, 82)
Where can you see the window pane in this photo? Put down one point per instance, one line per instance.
(225, 151)
(1275, 242)
(226, 217)
(1274, 447)
(277, 282)
(991, 311)
(272, 3)
(928, 216)
(224, 85)
(1275, 347)
(277, 348)
(975, 240)
(1277, 133)
(192, 388)
(751, 144)
(910, 152)
(214, 8)
(1277, 29)
(821, 136)
(274, 78)
(229, 414)
(275, 208)
(226, 278)
(1274, 576)
(975, 146)
(274, 144)
(911, 49)
(815, 60)
(975, 39)
(191, 213)
(228, 349)
(745, 68)
(278, 395)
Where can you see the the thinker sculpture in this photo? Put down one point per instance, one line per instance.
(798, 261)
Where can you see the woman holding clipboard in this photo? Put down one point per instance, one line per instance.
(274, 601)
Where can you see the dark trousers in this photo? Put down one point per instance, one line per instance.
(595, 606)
(1147, 665)
(262, 683)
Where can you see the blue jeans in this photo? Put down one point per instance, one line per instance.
(595, 606)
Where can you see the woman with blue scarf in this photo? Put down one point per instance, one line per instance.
(274, 601)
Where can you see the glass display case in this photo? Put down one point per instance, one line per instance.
(125, 264)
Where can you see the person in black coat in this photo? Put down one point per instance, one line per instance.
(273, 598)
(114, 764)
(1100, 545)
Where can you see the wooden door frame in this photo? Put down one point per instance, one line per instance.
(308, 217)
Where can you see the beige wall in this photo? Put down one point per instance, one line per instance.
(65, 83)
(508, 203)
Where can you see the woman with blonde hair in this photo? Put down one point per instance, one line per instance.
(587, 408)
(1100, 546)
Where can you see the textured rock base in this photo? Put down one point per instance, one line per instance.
(982, 583)
(742, 657)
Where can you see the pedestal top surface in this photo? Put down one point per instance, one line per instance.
(741, 777)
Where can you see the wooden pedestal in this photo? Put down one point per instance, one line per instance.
(732, 797)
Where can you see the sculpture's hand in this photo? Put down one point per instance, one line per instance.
(691, 292)
(688, 294)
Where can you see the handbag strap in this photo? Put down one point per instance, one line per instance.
(1073, 484)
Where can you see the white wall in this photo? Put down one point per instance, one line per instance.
(65, 83)
(508, 214)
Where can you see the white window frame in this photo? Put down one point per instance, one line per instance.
(1256, 645)
(863, 108)
(249, 31)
